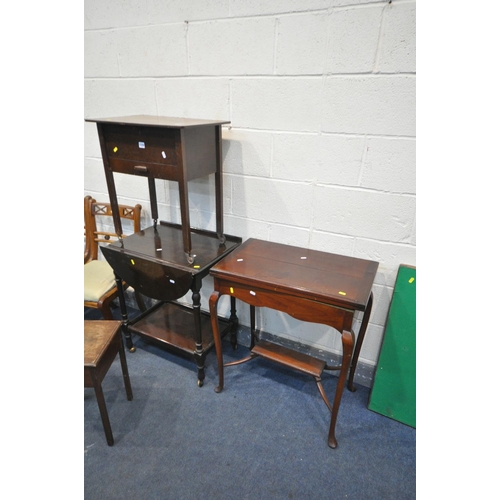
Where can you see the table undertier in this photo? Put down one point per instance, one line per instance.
(173, 324)
(290, 358)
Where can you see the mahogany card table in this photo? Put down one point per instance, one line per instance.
(309, 285)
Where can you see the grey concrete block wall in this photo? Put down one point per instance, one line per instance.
(320, 151)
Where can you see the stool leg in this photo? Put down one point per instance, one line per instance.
(102, 410)
(126, 378)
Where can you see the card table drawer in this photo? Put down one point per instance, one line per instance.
(298, 307)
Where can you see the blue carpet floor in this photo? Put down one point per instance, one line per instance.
(263, 437)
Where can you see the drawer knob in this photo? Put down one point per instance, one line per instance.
(140, 169)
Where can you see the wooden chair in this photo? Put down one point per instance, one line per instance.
(100, 288)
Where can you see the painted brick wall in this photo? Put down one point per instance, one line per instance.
(320, 151)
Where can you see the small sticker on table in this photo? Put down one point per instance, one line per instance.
(411, 280)
(303, 258)
(196, 267)
(239, 260)
(132, 262)
(115, 149)
(342, 293)
(252, 292)
(231, 289)
(142, 145)
(172, 281)
(164, 154)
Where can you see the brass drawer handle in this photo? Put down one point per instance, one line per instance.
(140, 169)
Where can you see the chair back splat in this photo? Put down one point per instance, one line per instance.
(99, 280)
(93, 237)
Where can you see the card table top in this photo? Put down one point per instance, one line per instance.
(335, 279)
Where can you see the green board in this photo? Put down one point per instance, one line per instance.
(394, 388)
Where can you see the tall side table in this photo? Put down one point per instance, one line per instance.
(309, 285)
(157, 147)
(166, 260)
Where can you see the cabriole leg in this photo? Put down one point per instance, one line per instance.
(347, 345)
(214, 299)
(359, 343)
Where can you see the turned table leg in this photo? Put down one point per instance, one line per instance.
(123, 363)
(199, 355)
(233, 319)
(123, 309)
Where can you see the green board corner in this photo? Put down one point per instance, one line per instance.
(394, 388)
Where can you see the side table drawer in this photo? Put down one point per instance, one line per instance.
(141, 144)
(166, 172)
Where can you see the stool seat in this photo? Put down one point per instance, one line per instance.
(98, 335)
(103, 341)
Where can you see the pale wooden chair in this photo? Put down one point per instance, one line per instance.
(100, 288)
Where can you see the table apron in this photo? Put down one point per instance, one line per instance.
(299, 308)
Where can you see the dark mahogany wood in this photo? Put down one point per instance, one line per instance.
(166, 261)
(153, 262)
(156, 147)
(309, 285)
(103, 341)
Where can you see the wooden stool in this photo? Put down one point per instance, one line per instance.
(102, 342)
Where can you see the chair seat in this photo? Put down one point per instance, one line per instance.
(98, 279)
